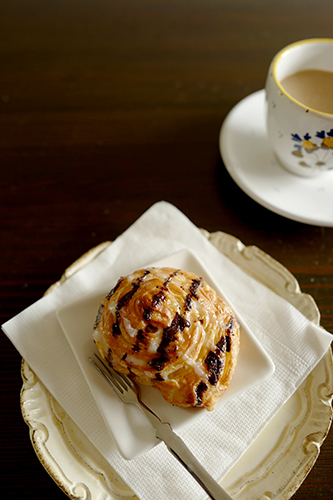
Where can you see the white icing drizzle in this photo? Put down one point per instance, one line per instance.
(130, 277)
(155, 341)
(199, 307)
(134, 361)
(210, 345)
(153, 346)
(197, 365)
(98, 338)
(132, 332)
(112, 307)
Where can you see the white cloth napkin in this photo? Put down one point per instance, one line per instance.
(219, 438)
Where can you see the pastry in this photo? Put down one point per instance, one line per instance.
(167, 328)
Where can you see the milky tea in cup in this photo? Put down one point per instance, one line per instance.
(299, 107)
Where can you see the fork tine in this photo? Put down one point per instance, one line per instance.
(112, 372)
(120, 378)
(126, 379)
(123, 380)
(107, 374)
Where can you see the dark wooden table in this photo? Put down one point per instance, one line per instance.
(107, 107)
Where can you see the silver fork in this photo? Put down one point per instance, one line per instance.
(129, 392)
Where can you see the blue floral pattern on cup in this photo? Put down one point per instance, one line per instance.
(314, 154)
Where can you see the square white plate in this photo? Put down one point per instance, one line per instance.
(130, 429)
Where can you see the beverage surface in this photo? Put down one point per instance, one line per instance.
(313, 88)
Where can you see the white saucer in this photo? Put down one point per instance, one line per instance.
(252, 165)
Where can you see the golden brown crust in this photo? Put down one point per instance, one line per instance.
(168, 329)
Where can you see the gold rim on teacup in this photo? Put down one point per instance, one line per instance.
(277, 61)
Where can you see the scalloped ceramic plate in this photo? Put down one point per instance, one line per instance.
(130, 429)
(273, 467)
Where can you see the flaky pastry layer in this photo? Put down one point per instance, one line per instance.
(167, 328)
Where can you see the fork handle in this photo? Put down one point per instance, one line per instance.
(179, 449)
(188, 460)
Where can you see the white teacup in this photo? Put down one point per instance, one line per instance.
(300, 136)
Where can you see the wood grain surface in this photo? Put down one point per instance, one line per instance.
(107, 107)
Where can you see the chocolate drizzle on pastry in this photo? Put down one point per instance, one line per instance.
(151, 328)
(221, 344)
(214, 365)
(201, 388)
(194, 287)
(159, 363)
(116, 329)
(167, 328)
(170, 333)
(229, 331)
(167, 281)
(158, 297)
(125, 299)
(114, 289)
(192, 293)
(99, 315)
